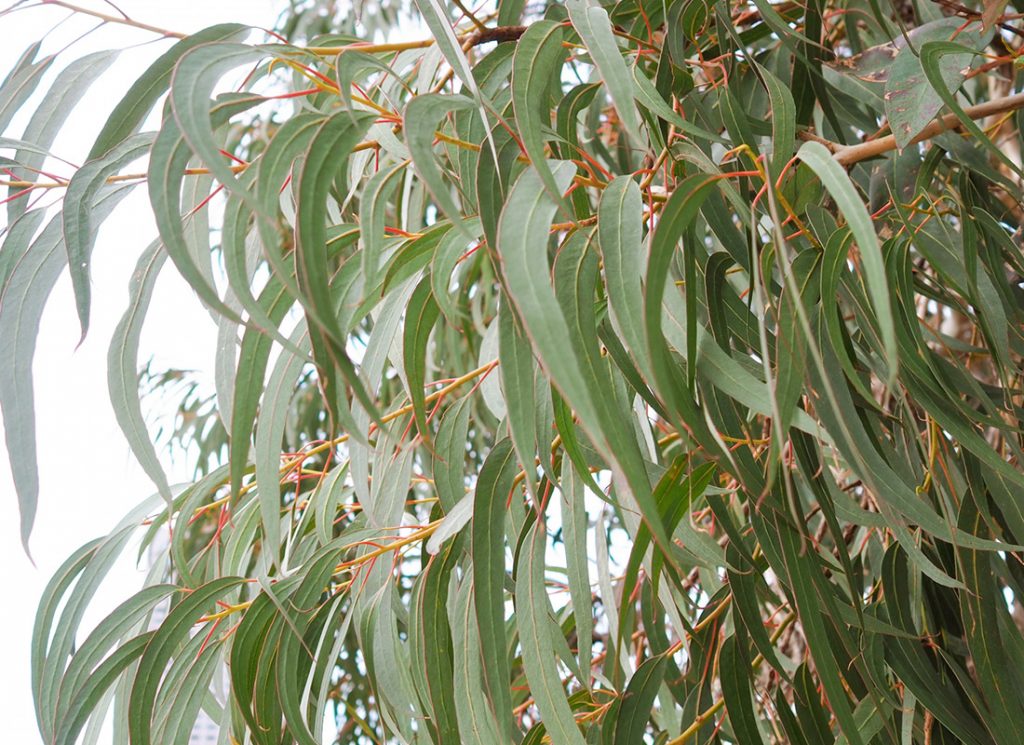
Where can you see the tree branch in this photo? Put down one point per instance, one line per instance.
(125, 21)
(475, 38)
(847, 155)
(500, 33)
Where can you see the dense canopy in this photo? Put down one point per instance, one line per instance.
(638, 371)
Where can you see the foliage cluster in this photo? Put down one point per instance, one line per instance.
(637, 371)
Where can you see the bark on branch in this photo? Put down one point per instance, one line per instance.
(501, 33)
(847, 155)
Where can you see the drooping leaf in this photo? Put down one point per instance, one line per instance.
(422, 313)
(422, 115)
(535, 68)
(841, 188)
(541, 671)
(130, 112)
(79, 223)
(42, 129)
(492, 489)
(595, 29)
(123, 363)
(33, 272)
(620, 230)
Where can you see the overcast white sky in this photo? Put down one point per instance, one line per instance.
(88, 478)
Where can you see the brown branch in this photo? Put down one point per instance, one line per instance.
(126, 21)
(475, 38)
(847, 155)
(499, 34)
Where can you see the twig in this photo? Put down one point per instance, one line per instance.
(438, 394)
(469, 14)
(115, 19)
(701, 719)
(475, 38)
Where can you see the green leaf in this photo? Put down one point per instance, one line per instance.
(638, 700)
(240, 265)
(49, 601)
(80, 223)
(421, 315)
(783, 121)
(137, 609)
(72, 590)
(91, 692)
(802, 572)
(677, 215)
(574, 533)
(675, 495)
(436, 18)
(326, 157)
(33, 272)
(168, 158)
(19, 234)
(595, 29)
(734, 667)
(983, 608)
(253, 357)
(934, 55)
(449, 462)
(838, 183)
(522, 241)
(454, 521)
(493, 488)
(451, 250)
(21, 82)
(421, 117)
(620, 230)
(477, 724)
(437, 646)
(538, 649)
(273, 419)
(910, 101)
(648, 96)
(373, 209)
(123, 362)
(160, 649)
(132, 110)
(47, 120)
(517, 384)
(536, 67)
(192, 83)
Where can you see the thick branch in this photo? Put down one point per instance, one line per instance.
(501, 33)
(848, 155)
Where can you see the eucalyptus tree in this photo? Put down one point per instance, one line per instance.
(637, 371)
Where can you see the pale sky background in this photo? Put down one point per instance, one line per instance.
(88, 477)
